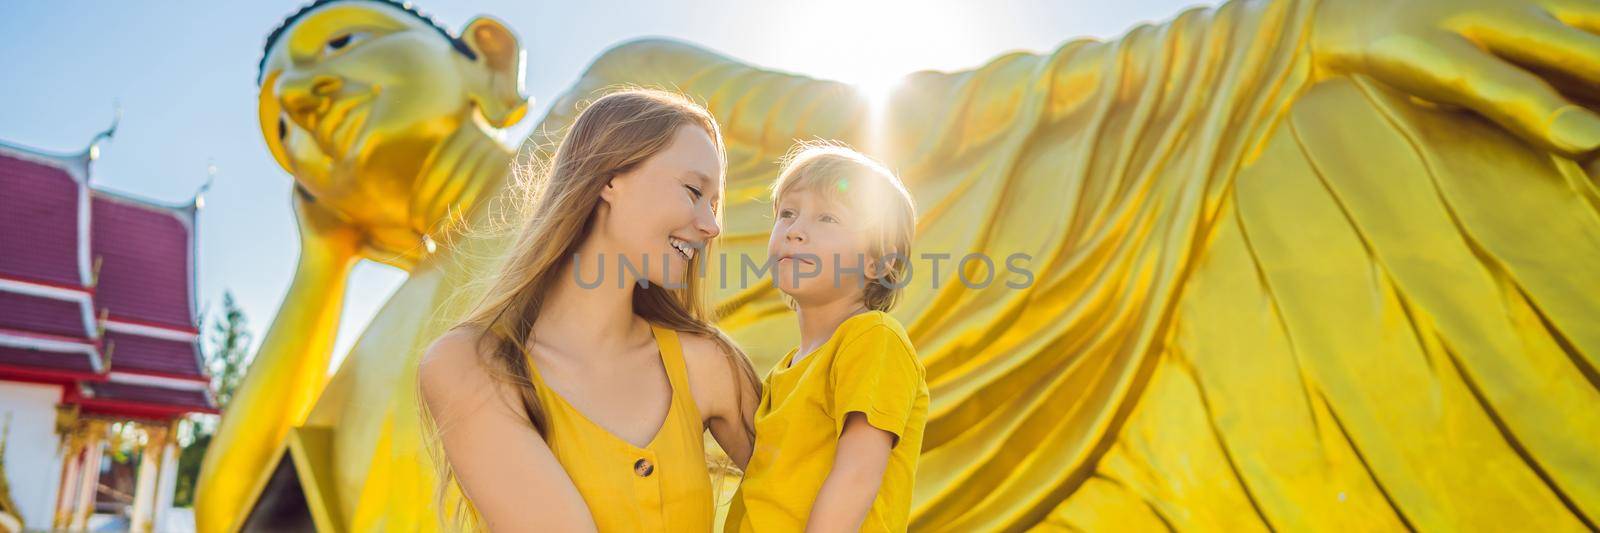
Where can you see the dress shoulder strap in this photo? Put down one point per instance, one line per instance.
(668, 342)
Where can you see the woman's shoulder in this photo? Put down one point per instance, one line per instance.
(454, 361)
(712, 372)
(702, 352)
(455, 345)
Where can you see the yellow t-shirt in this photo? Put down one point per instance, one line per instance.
(867, 366)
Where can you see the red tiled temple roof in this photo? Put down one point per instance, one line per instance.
(136, 399)
(144, 270)
(38, 223)
(60, 361)
(39, 315)
(138, 353)
(144, 277)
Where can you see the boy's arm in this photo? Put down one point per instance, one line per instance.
(858, 466)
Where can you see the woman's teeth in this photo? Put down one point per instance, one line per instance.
(683, 248)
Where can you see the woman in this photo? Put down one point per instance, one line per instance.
(576, 395)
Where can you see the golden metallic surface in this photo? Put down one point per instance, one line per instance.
(389, 137)
(1295, 265)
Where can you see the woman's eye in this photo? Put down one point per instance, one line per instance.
(696, 192)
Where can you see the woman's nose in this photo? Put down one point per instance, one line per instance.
(709, 226)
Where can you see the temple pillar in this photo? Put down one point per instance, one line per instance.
(71, 466)
(147, 483)
(167, 488)
(89, 475)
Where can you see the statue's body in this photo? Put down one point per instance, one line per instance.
(1271, 285)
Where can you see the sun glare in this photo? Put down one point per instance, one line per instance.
(876, 89)
(874, 44)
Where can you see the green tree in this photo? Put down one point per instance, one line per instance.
(227, 356)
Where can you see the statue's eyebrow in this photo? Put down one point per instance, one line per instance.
(291, 22)
(312, 32)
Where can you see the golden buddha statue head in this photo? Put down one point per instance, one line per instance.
(363, 101)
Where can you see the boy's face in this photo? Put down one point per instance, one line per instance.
(817, 249)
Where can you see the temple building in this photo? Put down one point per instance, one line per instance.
(97, 328)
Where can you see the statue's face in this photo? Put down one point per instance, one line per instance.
(354, 97)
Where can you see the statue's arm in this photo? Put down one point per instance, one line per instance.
(287, 374)
(1530, 66)
(758, 109)
(1524, 64)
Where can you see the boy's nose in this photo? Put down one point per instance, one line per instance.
(794, 233)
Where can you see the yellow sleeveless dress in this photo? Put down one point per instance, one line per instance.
(662, 487)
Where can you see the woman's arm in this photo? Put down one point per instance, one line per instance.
(727, 401)
(505, 469)
(850, 488)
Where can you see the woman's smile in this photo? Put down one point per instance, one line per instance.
(684, 248)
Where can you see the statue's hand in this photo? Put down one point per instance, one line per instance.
(324, 235)
(1521, 63)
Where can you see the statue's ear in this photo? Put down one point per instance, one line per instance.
(499, 94)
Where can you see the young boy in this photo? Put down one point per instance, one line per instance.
(839, 427)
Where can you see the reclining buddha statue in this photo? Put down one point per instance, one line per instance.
(1292, 264)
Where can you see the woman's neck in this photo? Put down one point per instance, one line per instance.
(819, 320)
(581, 317)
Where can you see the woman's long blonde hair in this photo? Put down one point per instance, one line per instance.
(611, 136)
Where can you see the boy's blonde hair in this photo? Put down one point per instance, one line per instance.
(877, 200)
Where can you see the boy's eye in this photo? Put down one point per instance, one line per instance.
(786, 213)
(829, 219)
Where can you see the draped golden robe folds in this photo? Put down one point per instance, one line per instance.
(1261, 297)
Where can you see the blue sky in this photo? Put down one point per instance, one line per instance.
(183, 73)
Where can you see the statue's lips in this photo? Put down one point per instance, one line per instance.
(336, 130)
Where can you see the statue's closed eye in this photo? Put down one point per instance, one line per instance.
(344, 41)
